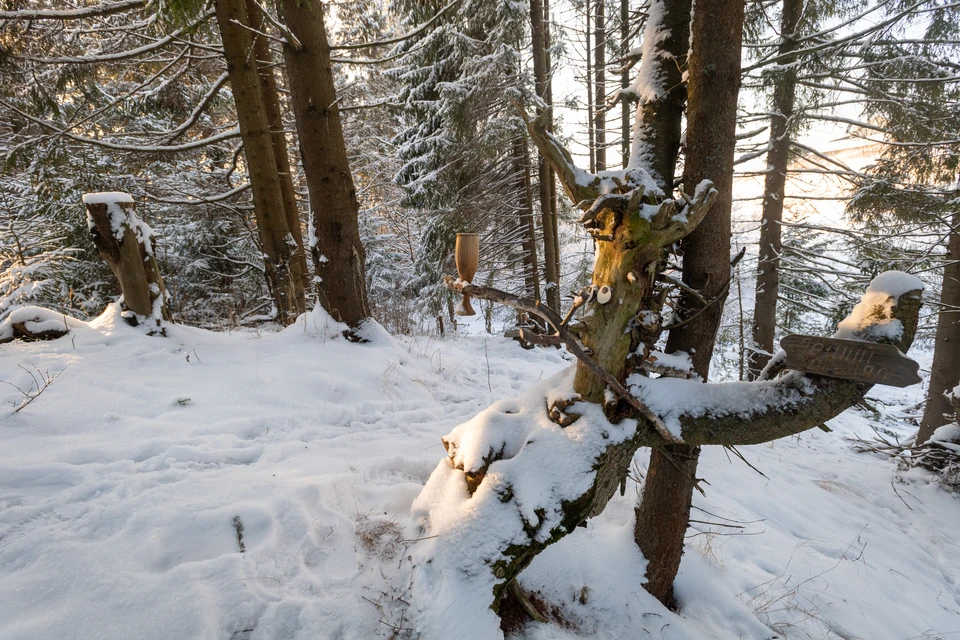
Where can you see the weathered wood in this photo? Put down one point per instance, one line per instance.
(779, 408)
(569, 340)
(851, 360)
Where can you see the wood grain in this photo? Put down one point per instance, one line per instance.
(851, 360)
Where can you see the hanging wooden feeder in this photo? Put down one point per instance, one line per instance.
(468, 258)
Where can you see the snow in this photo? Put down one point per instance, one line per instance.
(948, 434)
(466, 534)
(671, 398)
(649, 84)
(107, 197)
(872, 317)
(119, 485)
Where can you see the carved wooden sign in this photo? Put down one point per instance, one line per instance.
(850, 359)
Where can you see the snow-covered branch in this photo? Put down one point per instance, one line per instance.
(95, 11)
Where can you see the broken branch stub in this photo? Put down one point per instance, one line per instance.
(126, 244)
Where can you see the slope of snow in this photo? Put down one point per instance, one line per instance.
(120, 483)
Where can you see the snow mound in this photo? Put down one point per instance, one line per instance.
(107, 197)
(37, 321)
(463, 535)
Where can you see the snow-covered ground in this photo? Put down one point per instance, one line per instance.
(120, 484)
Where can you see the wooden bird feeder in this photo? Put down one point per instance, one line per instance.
(468, 258)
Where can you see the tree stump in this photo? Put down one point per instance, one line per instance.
(126, 244)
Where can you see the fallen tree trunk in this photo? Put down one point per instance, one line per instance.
(515, 480)
(126, 244)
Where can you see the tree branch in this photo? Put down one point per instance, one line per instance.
(569, 340)
(98, 10)
(779, 408)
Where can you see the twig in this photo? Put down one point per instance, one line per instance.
(682, 285)
(487, 356)
(517, 591)
(745, 461)
(720, 296)
(47, 381)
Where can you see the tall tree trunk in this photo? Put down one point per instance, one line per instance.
(600, 83)
(268, 198)
(658, 125)
(625, 82)
(551, 259)
(768, 266)
(337, 252)
(271, 102)
(548, 96)
(588, 53)
(529, 232)
(714, 82)
(945, 372)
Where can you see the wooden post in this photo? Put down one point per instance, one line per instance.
(126, 244)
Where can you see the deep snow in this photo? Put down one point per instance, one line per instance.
(119, 485)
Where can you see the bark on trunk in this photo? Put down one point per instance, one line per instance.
(600, 83)
(531, 273)
(663, 516)
(713, 86)
(551, 259)
(624, 82)
(548, 96)
(768, 266)
(588, 54)
(271, 102)
(130, 258)
(338, 255)
(945, 372)
(276, 240)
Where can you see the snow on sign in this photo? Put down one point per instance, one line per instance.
(851, 360)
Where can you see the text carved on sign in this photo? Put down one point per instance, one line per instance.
(850, 359)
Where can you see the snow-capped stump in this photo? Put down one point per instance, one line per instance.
(126, 243)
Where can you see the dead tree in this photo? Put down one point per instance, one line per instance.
(527, 471)
(126, 244)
